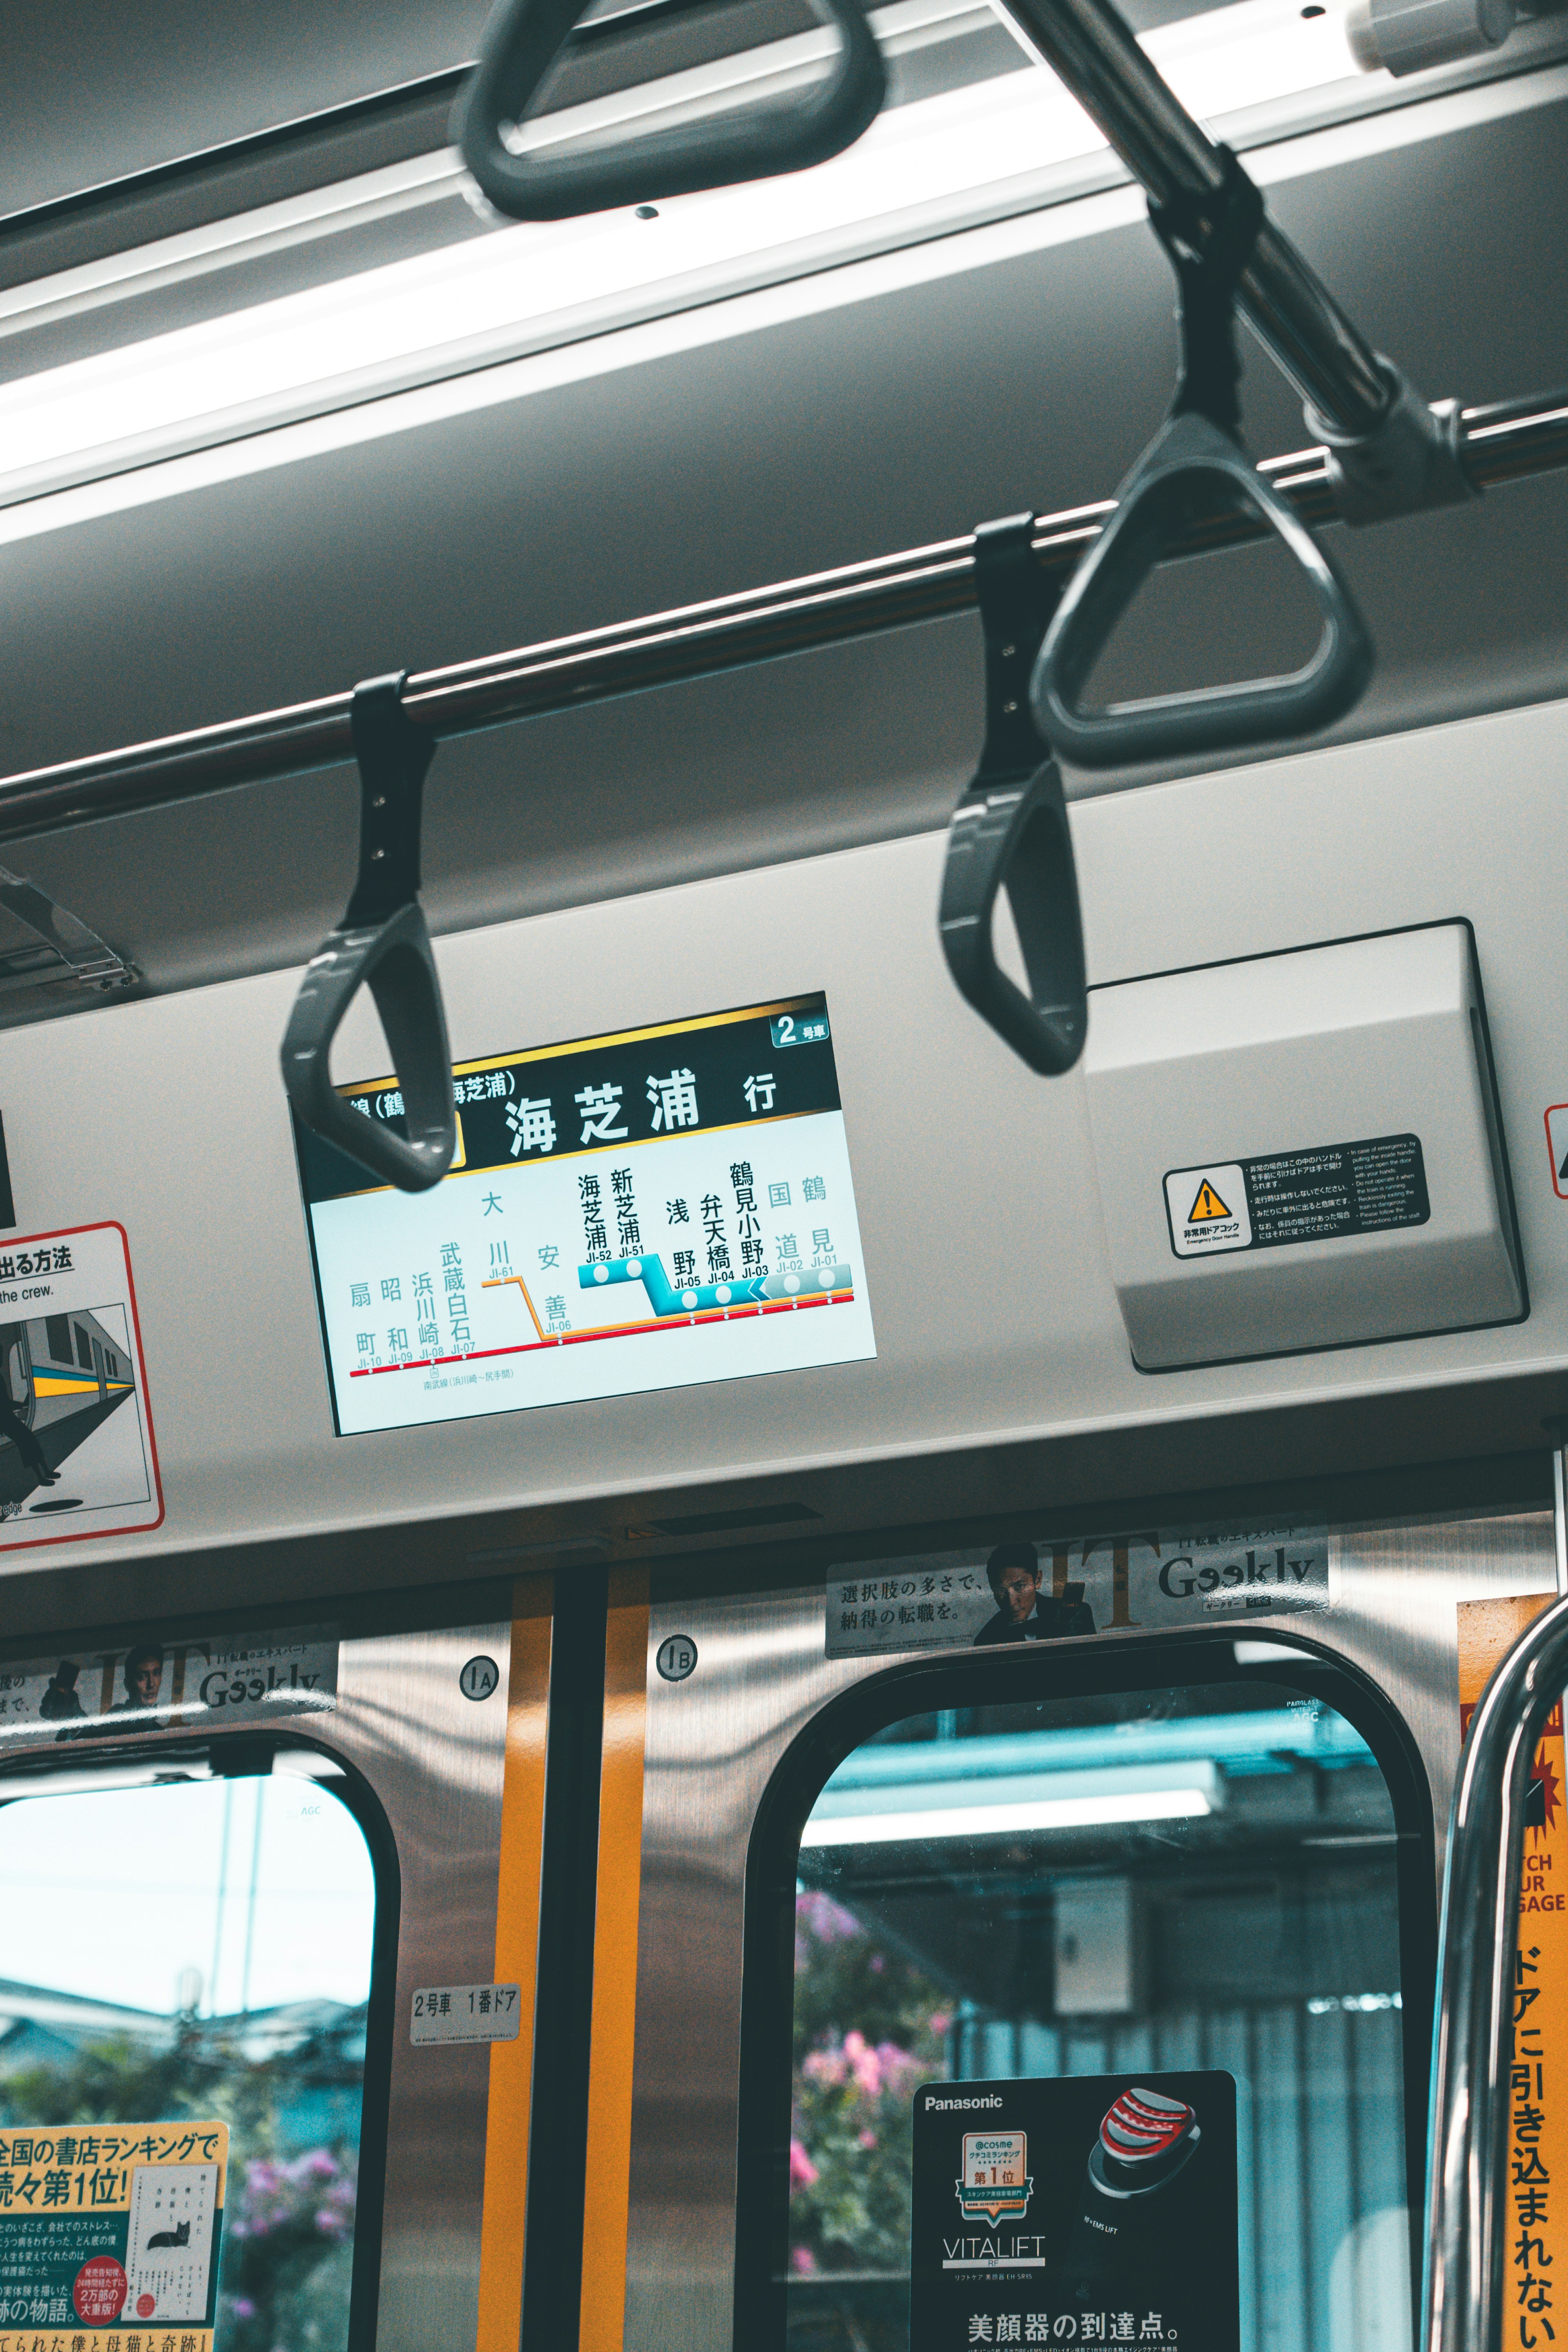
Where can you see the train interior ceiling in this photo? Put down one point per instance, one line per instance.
(784, 1176)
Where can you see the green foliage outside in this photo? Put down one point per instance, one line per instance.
(869, 2027)
(288, 2232)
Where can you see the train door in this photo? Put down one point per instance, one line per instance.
(100, 1371)
(19, 1374)
(266, 2016)
(1194, 1865)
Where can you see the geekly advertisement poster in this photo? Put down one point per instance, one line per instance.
(1058, 1587)
(153, 1685)
(1094, 2210)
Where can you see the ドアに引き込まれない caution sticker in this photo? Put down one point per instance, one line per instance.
(1537, 2234)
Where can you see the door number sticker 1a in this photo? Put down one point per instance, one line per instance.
(1325, 1193)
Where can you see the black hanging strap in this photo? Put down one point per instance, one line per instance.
(1010, 830)
(382, 944)
(1209, 241)
(1016, 601)
(394, 759)
(1195, 465)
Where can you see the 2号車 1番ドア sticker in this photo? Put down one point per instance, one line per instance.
(654, 1210)
(76, 1451)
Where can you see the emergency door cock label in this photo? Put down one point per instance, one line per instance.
(1325, 1193)
(1537, 2234)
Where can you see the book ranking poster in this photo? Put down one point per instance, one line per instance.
(1093, 2210)
(1537, 2239)
(655, 1210)
(110, 2232)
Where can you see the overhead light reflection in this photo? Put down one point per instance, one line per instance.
(1000, 1821)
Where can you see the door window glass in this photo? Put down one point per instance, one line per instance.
(201, 1948)
(1167, 1879)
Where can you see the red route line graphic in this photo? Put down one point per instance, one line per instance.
(613, 1331)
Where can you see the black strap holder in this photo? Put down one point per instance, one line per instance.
(1209, 241)
(1194, 467)
(1010, 829)
(520, 43)
(381, 943)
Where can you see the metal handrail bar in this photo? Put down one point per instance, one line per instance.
(1504, 443)
(1096, 54)
(1473, 2043)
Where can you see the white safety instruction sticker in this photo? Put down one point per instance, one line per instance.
(1324, 1194)
(481, 2012)
(76, 1451)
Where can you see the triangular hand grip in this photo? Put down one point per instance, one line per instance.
(1189, 468)
(1015, 837)
(521, 43)
(381, 943)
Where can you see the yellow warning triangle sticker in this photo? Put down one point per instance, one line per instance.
(1207, 1204)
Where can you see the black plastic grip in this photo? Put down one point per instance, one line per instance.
(1010, 830)
(1015, 837)
(382, 944)
(1190, 467)
(522, 42)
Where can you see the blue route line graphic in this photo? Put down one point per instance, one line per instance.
(692, 1300)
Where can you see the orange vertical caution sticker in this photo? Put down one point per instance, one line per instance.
(1538, 2143)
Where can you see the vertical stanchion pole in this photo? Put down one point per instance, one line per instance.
(1559, 1434)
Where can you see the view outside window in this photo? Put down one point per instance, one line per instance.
(1197, 1878)
(201, 1948)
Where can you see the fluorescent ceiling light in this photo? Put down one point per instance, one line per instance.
(1010, 1802)
(1265, 1738)
(1000, 1821)
(922, 170)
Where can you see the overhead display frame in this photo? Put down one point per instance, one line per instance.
(650, 1210)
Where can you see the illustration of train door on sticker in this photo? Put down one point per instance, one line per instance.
(61, 1378)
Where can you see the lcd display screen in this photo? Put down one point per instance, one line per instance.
(646, 1211)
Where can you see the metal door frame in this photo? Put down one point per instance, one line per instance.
(435, 2262)
(715, 1745)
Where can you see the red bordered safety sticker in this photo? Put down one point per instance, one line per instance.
(78, 1458)
(1557, 1145)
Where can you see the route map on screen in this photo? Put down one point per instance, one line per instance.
(653, 1210)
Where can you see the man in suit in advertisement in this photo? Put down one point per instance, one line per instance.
(1025, 1613)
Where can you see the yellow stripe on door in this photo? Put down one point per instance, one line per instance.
(516, 1962)
(616, 1961)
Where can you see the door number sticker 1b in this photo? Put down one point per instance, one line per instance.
(1323, 1194)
